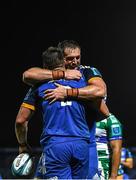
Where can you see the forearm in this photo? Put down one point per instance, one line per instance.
(115, 164)
(91, 92)
(35, 75)
(115, 158)
(86, 93)
(96, 89)
(128, 164)
(21, 132)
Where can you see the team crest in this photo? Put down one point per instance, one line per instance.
(116, 130)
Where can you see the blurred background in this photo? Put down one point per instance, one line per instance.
(106, 31)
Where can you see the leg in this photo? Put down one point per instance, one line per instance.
(80, 161)
(57, 161)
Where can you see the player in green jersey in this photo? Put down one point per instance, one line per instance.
(109, 141)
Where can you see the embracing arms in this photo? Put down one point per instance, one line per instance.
(36, 74)
(95, 89)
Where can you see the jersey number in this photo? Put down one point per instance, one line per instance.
(66, 103)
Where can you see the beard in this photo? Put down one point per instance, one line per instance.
(72, 65)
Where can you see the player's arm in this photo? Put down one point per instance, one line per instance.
(100, 105)
(115, 158)
(114, 133)
(36, 74)
(25, 112)
(95, 89)
(21, 128)
(129, 160)
(128, 163)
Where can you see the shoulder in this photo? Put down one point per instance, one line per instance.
(89, 72)
(112, 119)
(90, 68)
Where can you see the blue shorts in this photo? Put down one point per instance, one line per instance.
(93, 162)
(66, 160)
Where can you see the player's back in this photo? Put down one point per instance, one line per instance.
(63, 118)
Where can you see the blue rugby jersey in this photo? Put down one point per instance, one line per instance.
(62, 119)
(67, 119)
(125, 155)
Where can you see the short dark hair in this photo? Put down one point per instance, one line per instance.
(52, 58)
(68, 44)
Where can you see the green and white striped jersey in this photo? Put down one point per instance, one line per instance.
(107, 130)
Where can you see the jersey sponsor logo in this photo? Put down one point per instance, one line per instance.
(95, 71)
(84, 67)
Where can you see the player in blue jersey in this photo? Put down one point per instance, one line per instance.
(71, 132)
(126, 163)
